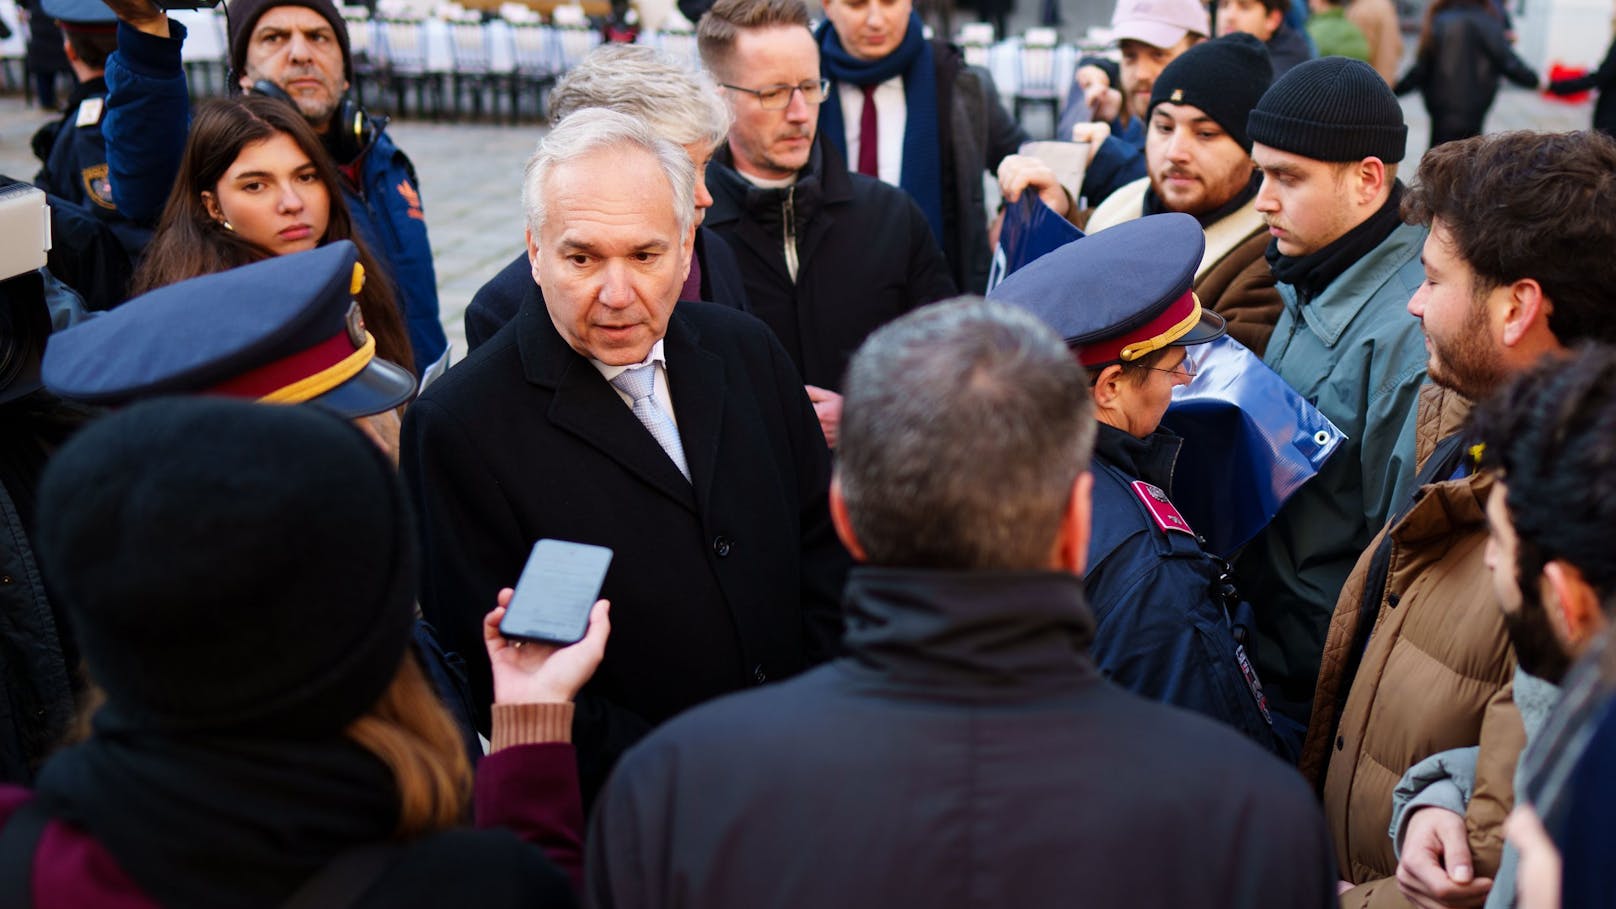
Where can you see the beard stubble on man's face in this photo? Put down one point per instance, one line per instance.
(1538, 650)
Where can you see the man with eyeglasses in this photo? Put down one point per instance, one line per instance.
(827, 256)
(909, 111)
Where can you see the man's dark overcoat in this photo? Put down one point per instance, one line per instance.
(719, 584)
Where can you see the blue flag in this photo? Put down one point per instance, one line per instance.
(1250, 441)
(1030, 229)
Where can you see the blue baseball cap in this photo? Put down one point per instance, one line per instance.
(81, 12)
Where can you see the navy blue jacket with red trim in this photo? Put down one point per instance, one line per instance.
(1163, 629)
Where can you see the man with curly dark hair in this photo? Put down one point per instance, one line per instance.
(1517, 269)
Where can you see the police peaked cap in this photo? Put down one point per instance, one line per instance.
(1121, 293)
(282, 331)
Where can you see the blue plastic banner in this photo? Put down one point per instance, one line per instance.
(1250, 441)
(1030, 229)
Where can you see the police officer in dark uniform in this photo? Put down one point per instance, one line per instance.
(1122, 299)
(75, 156)
(95, 246)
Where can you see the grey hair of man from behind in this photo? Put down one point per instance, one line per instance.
(964, 426)
(680, 104)
(597, 130)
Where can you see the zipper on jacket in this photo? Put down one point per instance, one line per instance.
(788, 230)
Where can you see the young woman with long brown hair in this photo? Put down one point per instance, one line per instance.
(254, 182)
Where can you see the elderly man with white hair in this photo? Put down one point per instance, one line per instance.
(678, 104)
(681, 438)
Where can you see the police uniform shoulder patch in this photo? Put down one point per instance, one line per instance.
(97, 187)
(1161, 510)
(90, 112)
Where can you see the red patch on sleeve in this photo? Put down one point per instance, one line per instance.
(1162, 510)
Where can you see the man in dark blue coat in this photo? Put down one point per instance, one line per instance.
(966, 752)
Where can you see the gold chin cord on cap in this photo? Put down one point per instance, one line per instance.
(1179, 330)
(311, 387)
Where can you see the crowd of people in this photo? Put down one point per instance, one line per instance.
(901, 610)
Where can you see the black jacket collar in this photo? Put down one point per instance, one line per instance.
(87, 89)
(970, 634)
(1150, 459)
(823, 182)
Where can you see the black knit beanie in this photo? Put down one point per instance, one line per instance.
(230, 567)
(242, 15)
(1112, 71)
(1331, 109)
(1224, 77)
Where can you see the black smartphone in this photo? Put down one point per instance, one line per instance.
(559, 585)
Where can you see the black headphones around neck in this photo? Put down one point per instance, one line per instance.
(351, 132)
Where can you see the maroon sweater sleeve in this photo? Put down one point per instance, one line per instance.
(70, 870)
(532, 791)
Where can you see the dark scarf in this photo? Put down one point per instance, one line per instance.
(1153, 205)
(1313, 273)
(235, 822)
(922, 162)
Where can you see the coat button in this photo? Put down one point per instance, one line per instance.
(1340, 742)
(758, 675)
(721, 546)
(1392, 599)
(5, 579)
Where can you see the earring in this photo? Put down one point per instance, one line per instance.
(227, 225)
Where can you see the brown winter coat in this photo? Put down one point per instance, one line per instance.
(1233, 279)
(1435, 675)
(1377, 19)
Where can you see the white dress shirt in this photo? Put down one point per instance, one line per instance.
(891, 117)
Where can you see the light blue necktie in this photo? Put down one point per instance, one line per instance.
(638, 383)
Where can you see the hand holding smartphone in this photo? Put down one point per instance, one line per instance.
(553, 597)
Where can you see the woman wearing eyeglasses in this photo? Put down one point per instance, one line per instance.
(1122, 299)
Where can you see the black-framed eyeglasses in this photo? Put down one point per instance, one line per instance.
(1185, 368)
(778, 97)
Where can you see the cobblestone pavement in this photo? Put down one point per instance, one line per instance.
(471, 178)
